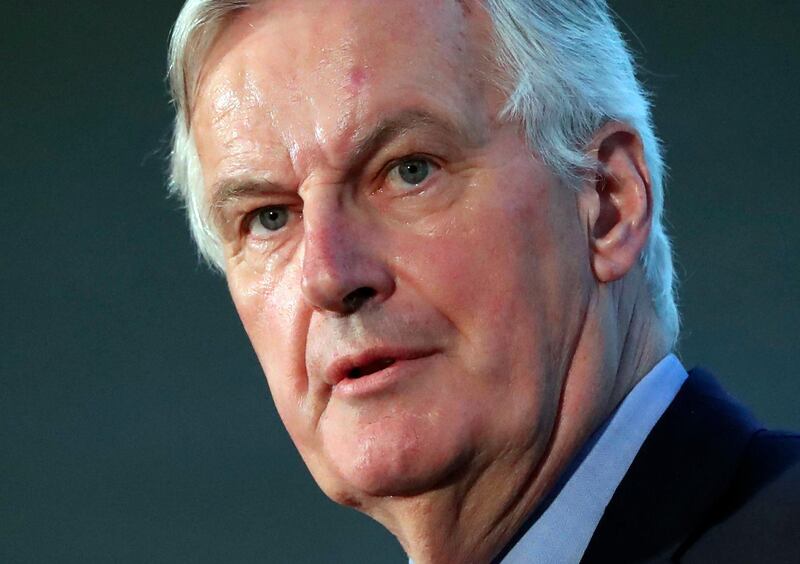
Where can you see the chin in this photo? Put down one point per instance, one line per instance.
(401, 456)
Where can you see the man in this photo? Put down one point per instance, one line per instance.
(440, 223)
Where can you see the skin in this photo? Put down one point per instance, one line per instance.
(524, 298)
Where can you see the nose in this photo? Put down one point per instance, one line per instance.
(342, 268)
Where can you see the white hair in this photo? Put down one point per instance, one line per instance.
(566, 71)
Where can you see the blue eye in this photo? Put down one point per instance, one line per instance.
(272, 218)
(413, 170)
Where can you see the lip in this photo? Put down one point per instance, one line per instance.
(403, 360)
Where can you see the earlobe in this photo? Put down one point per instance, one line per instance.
(618, 202)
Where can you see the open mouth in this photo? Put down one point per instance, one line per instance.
(382, 363)
(370, 368)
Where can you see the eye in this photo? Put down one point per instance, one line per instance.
(411, 171)
(271, 218)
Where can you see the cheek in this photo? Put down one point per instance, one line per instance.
(275, 320)
(506, 273)
(489, 264)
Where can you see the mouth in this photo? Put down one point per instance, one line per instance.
(368, 363)
(370, 368)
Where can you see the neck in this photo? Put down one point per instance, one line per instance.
(472, 519)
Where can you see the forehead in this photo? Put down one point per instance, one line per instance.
(305, 25)
(329, 35)
(330, 66)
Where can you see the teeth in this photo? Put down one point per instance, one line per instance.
(378, 365)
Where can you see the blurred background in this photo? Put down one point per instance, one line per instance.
(135, 424)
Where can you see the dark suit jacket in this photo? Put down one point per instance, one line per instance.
(709, 485)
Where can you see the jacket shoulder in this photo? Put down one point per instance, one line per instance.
(709, 484)
(759, 519)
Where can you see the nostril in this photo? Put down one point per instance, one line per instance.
(357, 298)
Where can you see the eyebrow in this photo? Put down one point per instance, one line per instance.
(368, 143)
(234, 188)
(365, 145)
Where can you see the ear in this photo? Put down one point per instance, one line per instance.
(617, 202)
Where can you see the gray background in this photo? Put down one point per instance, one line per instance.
(135, 424)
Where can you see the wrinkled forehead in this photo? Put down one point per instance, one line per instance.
(326, 55)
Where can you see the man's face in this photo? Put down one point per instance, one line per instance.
(411, 277)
